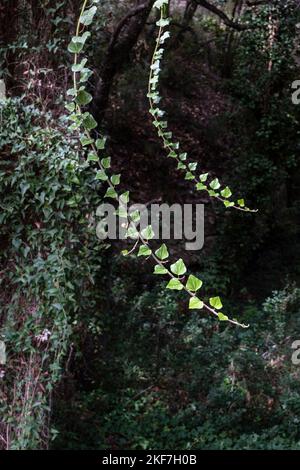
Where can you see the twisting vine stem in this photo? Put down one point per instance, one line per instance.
(214, 187)
(84, 121)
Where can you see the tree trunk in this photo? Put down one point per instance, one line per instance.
(9, 14)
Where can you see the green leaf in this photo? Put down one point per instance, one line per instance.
(83, 98)
(75, 47)
(100, 143)
(195, 303)
(228, 204)
(85, 74)
(203, 177)
(215, 184)
(241, 202)
(200, 186)
(72, 202)
(71, 92)
(125, 197)
(93, 157)
(75, 180)
(76, 118)
(89, 122)
(82, 39)
(215, 302)
(183, 156)
(111, 193)
(115, 179)
(147, 233)
(193, 166)
(222, 317)
(105, 162)
(159, 3)
(163, 22)
(189, 176)
(172, 154)
(226, 192)
(101, 175)
(135, 216)
(165, 36)
(85, 141)
(24, 188)
(79, 67)
(181, 166)
(162, 253)
(77, 43)
(160, 270)
(167, 135)
(178, 268)
(144, 251)
(70, 107)
(193, 283)
(174, 284)
(132, 232)
(87, 17)
(124, 252)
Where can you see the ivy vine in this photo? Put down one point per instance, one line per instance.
(84, 121)
(213, 188)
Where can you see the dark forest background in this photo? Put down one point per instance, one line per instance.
(127, 365)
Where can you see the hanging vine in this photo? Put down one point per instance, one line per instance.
(83, 121)
(213, 188)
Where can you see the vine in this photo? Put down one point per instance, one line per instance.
(46, 195)
(214, 187)
(83, 120)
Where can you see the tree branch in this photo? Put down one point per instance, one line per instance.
(226, 20)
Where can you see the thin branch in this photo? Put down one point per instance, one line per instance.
(226, 20)
(124, 20)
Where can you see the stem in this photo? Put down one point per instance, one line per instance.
(77, 34)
